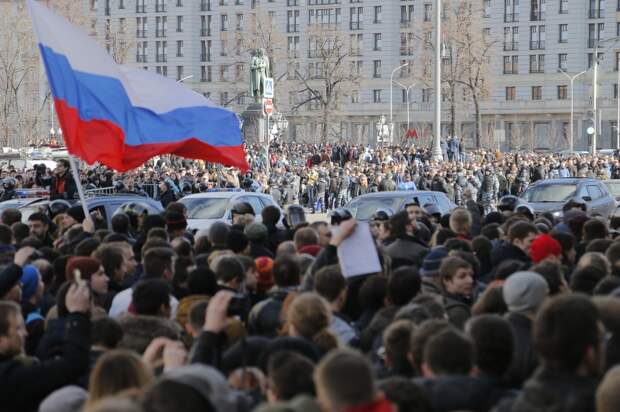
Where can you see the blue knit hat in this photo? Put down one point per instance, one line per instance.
(432, 261)
(30, 282)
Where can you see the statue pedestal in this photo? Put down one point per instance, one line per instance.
(254, 124)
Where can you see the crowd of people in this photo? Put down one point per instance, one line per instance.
(325, 177)
(482, 309)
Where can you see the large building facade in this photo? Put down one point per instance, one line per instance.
(207, 43)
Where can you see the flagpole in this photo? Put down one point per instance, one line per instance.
(78, 185)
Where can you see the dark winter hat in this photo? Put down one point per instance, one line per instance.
(256, 231)
(432, 261)
(86, 265)
(76, 213)
(237, 241)
(175, 221)
(218, 233)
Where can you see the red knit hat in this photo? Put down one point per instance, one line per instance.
(264, 267)
(544, 246)
(87, 266)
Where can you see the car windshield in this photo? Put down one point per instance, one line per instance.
(205, 207)
(614, 188)
(364, 208)
(550, 193)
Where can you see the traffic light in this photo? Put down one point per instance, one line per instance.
(589, 122)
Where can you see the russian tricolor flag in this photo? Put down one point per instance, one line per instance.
(122, 116)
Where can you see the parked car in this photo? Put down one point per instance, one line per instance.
(364, 206)
(105, 205)
(214, 205)
(550, 195)
(614, 187)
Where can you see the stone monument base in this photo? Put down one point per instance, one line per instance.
(254, 124)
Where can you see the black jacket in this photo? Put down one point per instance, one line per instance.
(25, 385)
(408, 249)
(265, 317)
(457, 392)
(508, 251)
(9, 277)
(70, 188)
(524, 360)
(554, 391)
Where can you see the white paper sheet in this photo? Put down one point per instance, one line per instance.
(358, 254)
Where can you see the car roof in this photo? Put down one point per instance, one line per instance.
(98, 200)
(565, 180)
(400, 193)
(222, 195)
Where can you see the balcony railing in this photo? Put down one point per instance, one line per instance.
(205, 32)
(511, 46)
(140, 8)
(356, 25)
(539, 16)
(141, 58)
(511, 17)
(537, 45)
(161, 58)
(160, 8)
(356, 51)
(160, 33)
(405, 24)
(204, 6)
(140, 33)
(406, 51)
(292, 28)
(596, 13)
(205, 57)
(591, 43)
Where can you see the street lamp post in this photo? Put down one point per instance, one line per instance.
(572, 101)
(391, 95)
(437, 154)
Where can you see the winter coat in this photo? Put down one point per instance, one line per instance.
(25, 384)
(457, 308)
(265, 317)
(554, 391)
(140, 330)
(524, 360)
(508, 251)
(408, 249)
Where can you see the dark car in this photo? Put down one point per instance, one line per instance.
(363, 207)
(550, 195)
(104, 205)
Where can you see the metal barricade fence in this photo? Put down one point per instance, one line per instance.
(102, 191)
(151, 190)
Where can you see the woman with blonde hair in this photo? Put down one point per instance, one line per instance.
(117, 371)
(309, 317)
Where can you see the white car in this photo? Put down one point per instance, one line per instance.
(214, 205)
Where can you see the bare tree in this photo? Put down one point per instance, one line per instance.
(328, 78)
(117, 42)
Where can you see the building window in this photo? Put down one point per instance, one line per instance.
(179, 3)
(426, 95)
(376, 96)
(292, 25)
(121, 4)
(356, 18)
(511, 64)
(537, 63)
(377, 14)
(615, 90)
(179, 72)
(428, 12)
(376, 72)
(140, 6)
(562, 59)
(536, 92)
(224, 22)
(538, 10)
(563, 33)
(511, 92)
(486, 8)
(563, 6)
(562, 92)
(355, 96)
(179, 24)
(377, 41)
